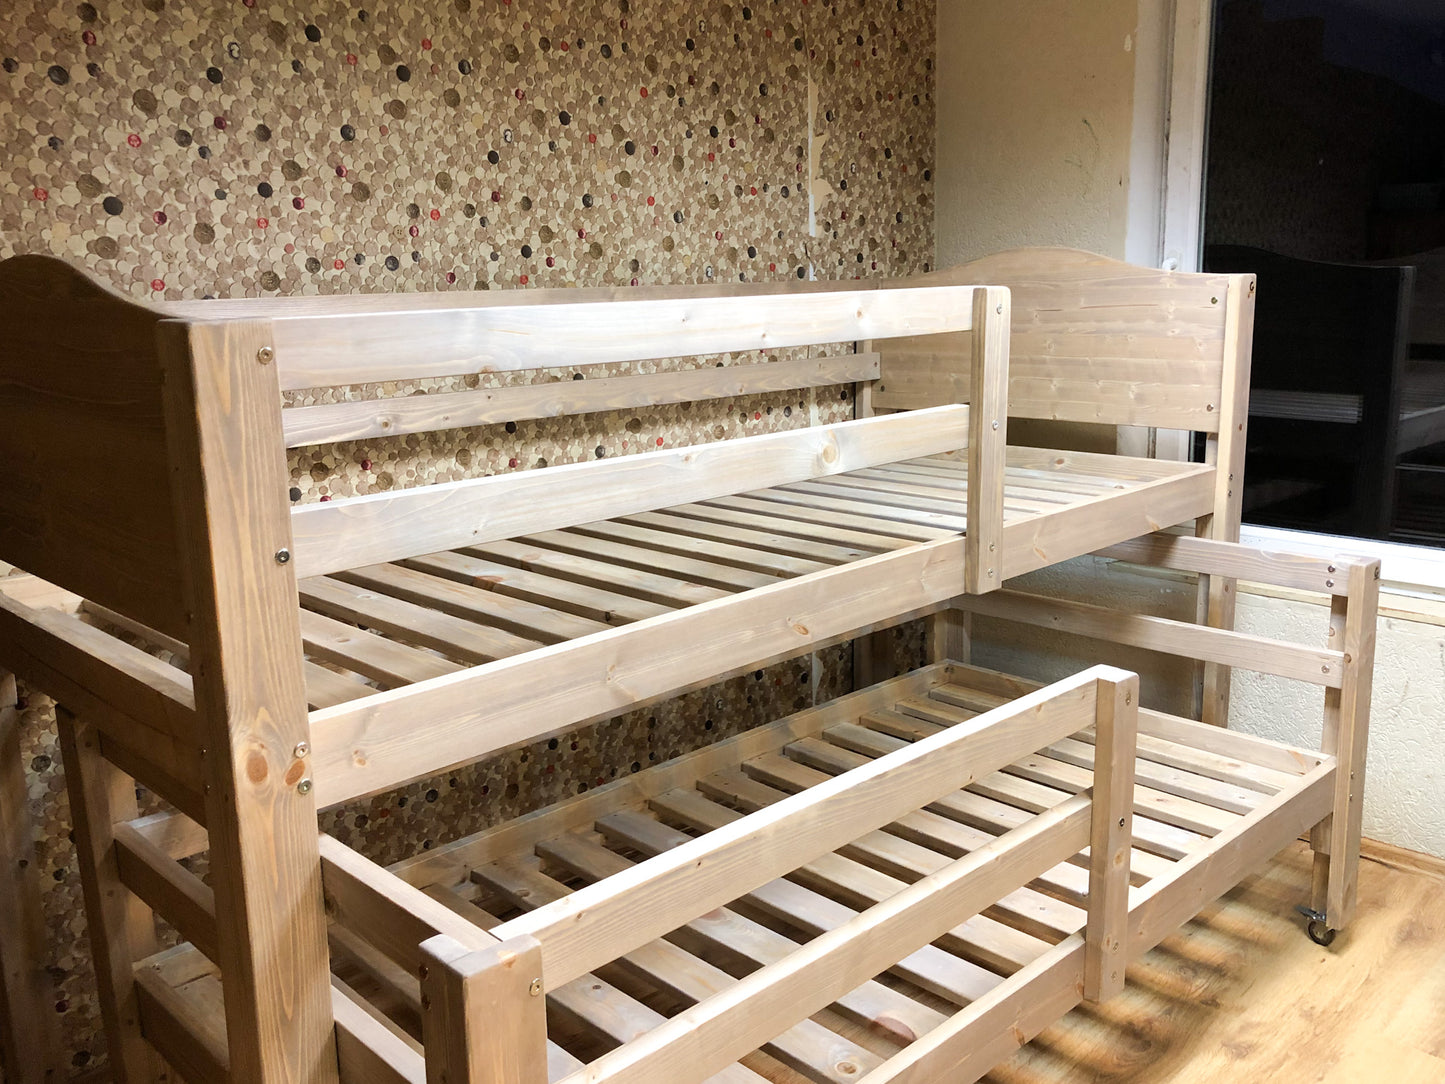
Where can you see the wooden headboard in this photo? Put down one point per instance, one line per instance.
(1093, 340)
(86, 492)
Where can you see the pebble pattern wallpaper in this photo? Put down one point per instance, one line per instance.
(228, 148)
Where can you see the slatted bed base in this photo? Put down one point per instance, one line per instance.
(1208, 807)
(553, 607)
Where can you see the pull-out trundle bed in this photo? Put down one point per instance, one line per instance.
(326, 652)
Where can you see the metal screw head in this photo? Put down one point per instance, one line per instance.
(1214, 301)
(995, 425)
(1121, 822)
(304, 787)
(1329, 583)
(536, 988)
(999, 310)
(301, 750)
(990, 573)
(265, 355)
(1331, 568)
(283, 556)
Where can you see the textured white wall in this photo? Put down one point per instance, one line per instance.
(1405, 777)
(1035, 106)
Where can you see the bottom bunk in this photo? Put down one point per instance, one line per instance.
(906, 883)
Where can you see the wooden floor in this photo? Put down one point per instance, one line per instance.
(1241, 994)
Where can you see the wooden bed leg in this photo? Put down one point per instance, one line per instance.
(29, 1042)
(1226, 451)
(121, 928)
(987, 439)
(227, 450)
(484, 1018)
(1111, 835)
(1336, 839)
(950, 636)
(873, 658)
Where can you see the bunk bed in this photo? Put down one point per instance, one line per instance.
(318, 654)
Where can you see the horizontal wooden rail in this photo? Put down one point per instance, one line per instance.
(382, 527)
(1319, 666)
(488, 406)
(1305, 572)
(176, 834)
(369, 1051)
(987, 1031)
(174, 893)
(714, 1033)
(386, 911)
(602, 921)
(186, 1023)
(397, 343)
(371, 745)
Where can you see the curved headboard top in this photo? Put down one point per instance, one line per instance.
(1093, 339)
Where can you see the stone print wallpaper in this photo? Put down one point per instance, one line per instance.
(195, 148)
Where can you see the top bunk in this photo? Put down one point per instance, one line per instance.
(429, 627)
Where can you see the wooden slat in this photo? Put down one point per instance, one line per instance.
(464, 600)
(447, 863)
(773, 777)
(376, 743)
(592, 603)
(176, 894)
(758, 515)
(326, 688)
(826, 893)
(718, 1030)
(1161, 908)
(1319, 666)
(187, 1024)
(387, 341)
(918, 525)
(598, 572)
(378, 658)
(821, 1054)
(385, 910)
(454, 637)
(639, 555)
(1283, 569)
(988, 1031)
(999, 802)
(714, 869)
(392, 417)
(1043, 540)
(681, 527)
(740, 552)
(390, 526)
(876, 1006)
(367, 1050)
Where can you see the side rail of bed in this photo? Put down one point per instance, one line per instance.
(1326, 801)
(482, 994)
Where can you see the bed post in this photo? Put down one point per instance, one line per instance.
(223, 425)
(29, 1045)
(484, 1018)
(1215, 604)
(1111, 833)
(121, 928)
(1336, 839)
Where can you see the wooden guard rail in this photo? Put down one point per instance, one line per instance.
(481, 992)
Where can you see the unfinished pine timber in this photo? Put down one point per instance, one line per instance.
(323, 653)
(1083, 349)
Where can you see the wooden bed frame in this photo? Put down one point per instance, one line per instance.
(505, 609)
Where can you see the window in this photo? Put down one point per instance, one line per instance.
(1326, 177)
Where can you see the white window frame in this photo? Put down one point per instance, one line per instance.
(1165, 229)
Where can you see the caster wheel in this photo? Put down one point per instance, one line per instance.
(1319, 933)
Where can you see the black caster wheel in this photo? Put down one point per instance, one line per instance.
(1319, 933)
